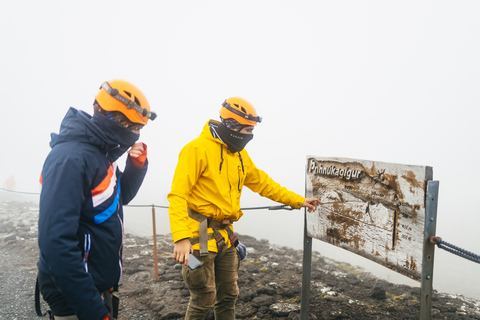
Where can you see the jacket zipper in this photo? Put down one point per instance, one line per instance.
(240, 174)
(86, 248)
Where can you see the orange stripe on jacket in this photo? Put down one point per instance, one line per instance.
(106, 188)
(104, 184)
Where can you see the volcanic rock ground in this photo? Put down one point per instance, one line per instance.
(270, 281)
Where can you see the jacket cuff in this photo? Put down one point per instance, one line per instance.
(139, 162)
(181, 235)
(298, 202)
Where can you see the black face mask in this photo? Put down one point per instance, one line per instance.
(115, 134)
(235, 141)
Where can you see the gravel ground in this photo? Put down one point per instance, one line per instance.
(338, 291)
(18, 265)
(17, 281)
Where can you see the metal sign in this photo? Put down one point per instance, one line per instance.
(374, 209)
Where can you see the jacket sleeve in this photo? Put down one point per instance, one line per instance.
(61, 200)
(189, 168)
(258, 181)
(131, 180)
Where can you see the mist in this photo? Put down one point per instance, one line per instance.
(381, 81)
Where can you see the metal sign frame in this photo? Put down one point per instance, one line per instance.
(426, 289)
(426, 275)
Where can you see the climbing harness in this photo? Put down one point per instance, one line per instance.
(111, 301)
(203, 238)
(454, 249)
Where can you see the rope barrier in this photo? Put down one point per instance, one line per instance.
(435, 240)
(279, 207)
(455, 250)
(145, 206)
(19, 191)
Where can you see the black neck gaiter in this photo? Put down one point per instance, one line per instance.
(118, 137)
(235, 141)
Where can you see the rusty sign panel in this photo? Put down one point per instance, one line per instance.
(374, 209)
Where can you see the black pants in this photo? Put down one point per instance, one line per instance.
(52, 296)
(59, 306)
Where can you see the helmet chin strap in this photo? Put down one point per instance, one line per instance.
(127, 102)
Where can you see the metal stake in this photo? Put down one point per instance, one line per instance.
(426, 290)
(155, 259)
(306, 274)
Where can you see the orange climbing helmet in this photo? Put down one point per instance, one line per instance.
(241, 110)
(122, 96)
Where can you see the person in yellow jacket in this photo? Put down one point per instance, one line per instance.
(205, 200)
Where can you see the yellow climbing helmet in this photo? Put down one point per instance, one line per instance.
(241, 110)
(122, 96)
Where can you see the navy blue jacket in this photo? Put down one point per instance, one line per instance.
(80, 228)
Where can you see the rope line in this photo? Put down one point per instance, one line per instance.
(145, 205)
(18, 191)
(457, 250)
(438, 241)
(279, 207)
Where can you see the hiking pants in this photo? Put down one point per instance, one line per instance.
(213, 284)
(58, 304)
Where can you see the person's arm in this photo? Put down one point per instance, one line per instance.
(258, 181)
(61, 200)
(187, 172)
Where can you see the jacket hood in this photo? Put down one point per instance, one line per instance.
(210, 131)
(108, 136)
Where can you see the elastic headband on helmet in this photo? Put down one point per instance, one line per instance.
(127, 102)
(250, 117)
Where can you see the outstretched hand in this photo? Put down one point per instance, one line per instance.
(311, 204)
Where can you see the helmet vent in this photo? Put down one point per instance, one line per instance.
(242, 108)
(134, 98)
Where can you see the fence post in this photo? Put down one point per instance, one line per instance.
(426, 290)
(306, 274)
(155, 259)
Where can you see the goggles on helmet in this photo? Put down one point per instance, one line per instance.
(233, 124)
(120, 118)
(250, 117)
(127, 102)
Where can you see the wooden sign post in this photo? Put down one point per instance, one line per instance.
(374, 209)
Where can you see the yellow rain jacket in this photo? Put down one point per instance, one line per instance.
(209, 179)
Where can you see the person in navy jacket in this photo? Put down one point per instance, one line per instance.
(80, 227)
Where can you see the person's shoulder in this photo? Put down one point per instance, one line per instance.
(74, 151)
(74, 147)
(245, 154)
(196, 143)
